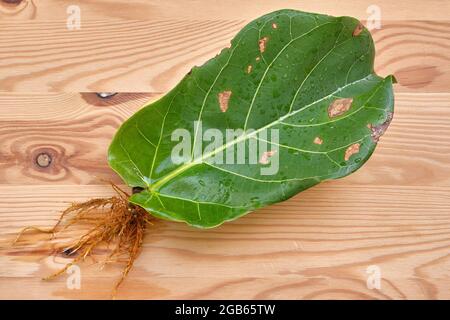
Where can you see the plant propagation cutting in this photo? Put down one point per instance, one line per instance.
(307, 79)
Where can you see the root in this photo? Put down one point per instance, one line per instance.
(112, 221)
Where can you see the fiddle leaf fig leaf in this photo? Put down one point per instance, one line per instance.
(292, 102)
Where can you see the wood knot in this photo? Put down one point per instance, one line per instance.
(46, 162)
(43, 160)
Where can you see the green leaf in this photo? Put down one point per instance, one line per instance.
(307, 77)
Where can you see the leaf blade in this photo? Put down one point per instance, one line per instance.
(205, 194)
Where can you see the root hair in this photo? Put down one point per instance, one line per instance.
(111, 221)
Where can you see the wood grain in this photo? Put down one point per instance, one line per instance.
(393, 213)
(317, 245)
(213, 9)
(77, 134)
(153, 55)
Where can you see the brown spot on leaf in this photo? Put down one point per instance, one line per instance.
(249, 68)
(358, 29)
(339, 107)
(378, 131)
(274, 25)
(262, 44)
(265, 157)
(317, 140)
(351, 150)
(224, 97)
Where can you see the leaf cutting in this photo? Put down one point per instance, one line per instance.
(299, 92)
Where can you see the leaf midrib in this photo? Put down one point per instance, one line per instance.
(199, 160)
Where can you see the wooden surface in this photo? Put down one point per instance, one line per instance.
(394, 213)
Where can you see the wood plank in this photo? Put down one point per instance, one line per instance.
(73, 129)
(213, 10)
(394, 213)
(153, 55)
(316, 245)
(76, 133)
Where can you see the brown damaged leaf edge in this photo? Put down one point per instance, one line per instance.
(379, 130)
(359, 28)
(341, 117)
